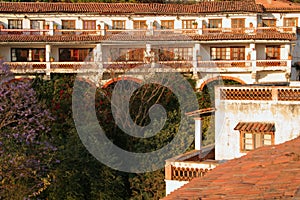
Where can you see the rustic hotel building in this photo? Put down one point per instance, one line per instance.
(251, 42)
(237, 40)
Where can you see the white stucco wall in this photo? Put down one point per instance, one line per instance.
(285, 115)
(172, 185)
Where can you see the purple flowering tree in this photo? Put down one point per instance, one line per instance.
(25, 149)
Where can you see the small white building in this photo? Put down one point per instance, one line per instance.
(249, 117)
(246, 118)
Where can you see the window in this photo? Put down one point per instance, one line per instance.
(173, 53)
(131, 54)
(68, 25)
(15, 24)
(252, 141)
(215, 23)
(25, 55)
(227, 53)
(74, 54)
(37, 25)
(167, 24)
(89, 24)
(237, 53)
(118, 24)
(290, 21)
(220, 53)
(273, 52)
(187, 24)
(255, 134)
(139, 24)
(269, 22)
(238, 25)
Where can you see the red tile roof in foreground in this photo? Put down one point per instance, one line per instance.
(255, 127)
(158, 37)
(279, 5)
(270, 172)
(125, 8)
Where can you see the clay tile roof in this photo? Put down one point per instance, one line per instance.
(255, 127)
(270, 172)
(279, 5)
(125, 8)
(158, 37)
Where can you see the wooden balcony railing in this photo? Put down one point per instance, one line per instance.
(138, 32)
(271, 63)
(224, 63)
(227, 65)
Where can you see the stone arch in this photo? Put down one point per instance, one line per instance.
(113, 80)
(223, 78)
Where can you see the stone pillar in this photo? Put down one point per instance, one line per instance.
(198, 133)
(47, 56)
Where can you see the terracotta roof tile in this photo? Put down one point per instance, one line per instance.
(125, 8)
(255, 127)
(158, 37)
(279, 5)
(269, 172)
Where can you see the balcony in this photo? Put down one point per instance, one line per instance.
(183, 168)
(243, 65)
(159, 66)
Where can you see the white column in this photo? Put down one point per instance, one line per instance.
(98, 53)
(196, 52)
(253, 61)
(48, 64)
(198, 133)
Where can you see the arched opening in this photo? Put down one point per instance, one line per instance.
(222, 78)
(114, 80)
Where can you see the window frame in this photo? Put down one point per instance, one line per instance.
(272, 49)
(167, 24)
(188, 23)
(118, 24)
(89, 24)
(215, 23)
(269, 22)
(286, 22)
(139, 24)
(227, 53)
(76, 54)
(33, 54)
(254, 138)
(19, 24)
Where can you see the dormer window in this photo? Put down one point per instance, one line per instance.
(255, 134)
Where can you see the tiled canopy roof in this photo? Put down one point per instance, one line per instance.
(255, 127)
(270, 172)
(125, 8)
(159, 37)
(279, 5)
